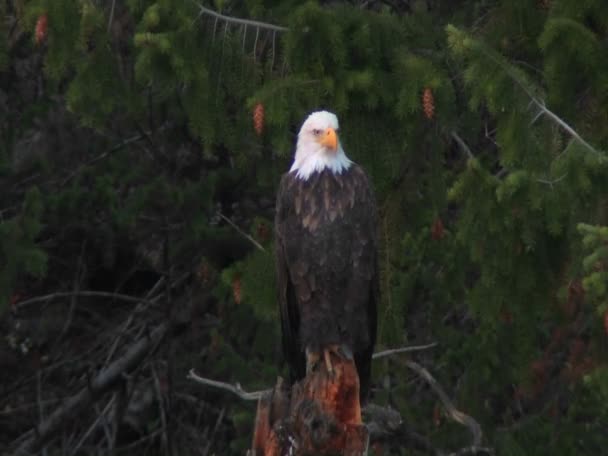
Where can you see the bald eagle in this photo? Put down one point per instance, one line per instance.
(326, 255)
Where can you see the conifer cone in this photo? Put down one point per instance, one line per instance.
(42, 25)
(263, 232)
(236, 289)
(258, 118)
(428, 103)
(437, 230)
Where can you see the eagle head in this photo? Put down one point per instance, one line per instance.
(319, 146)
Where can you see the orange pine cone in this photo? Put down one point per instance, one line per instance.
(437, 230)
(204, 272)
(263, 232)
(428, 103)
(236, 289)
(42, 25)
(258, 118)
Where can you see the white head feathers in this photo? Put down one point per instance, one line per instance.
(319, 147)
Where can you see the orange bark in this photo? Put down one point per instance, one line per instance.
(320, 415)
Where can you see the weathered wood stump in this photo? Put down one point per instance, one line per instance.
(320, 415)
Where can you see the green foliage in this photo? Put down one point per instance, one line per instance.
(18, 250)
(595, 264)
(492, 210)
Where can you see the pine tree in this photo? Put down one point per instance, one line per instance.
(480, 123)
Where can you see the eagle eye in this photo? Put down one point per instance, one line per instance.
(316, 132)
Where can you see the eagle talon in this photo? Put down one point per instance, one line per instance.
(327, 358)
(312, 360)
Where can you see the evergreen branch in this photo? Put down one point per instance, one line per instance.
(508, 69)
(451, 410)
(236, 20)
(397, 351)
(241, 232)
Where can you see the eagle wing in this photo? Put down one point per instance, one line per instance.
(367, 268)
(288, 306)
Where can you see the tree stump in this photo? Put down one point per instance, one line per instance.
(320, 415)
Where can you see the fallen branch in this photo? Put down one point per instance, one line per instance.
(97, 385)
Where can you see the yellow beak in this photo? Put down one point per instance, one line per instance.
(329, 139)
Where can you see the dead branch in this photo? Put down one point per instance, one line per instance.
(452, 412)
(102, 382)
(234, 389)
(236, 20)
(241, 232)
(462, 145)
(473, 450)
(69, 294)
(397, 351)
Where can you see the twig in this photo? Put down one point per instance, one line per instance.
(241, 232)
(40, 407)
(451, 410)
(74, 300)
(214, 432)
(111, 15)
(118, 146)
(69, 294)
(138, 308)
(161, 410)
(462, 145)
(93, 426)
(234, 389)
(236, 20)
(474, 450)
(396, 351)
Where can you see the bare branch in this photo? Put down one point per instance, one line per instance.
(563, 124)
(397, 351)
(69, 294)
(473, 450)
(241, 232)
(234, 389)
(236, 20)
(451, 410)
(462, 145)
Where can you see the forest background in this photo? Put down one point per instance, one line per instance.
(141, 146)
